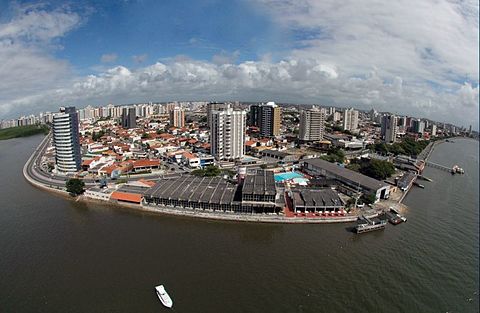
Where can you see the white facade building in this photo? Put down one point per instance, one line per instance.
(66, 140)
(350, 119)
(312, 125)
(227, 135)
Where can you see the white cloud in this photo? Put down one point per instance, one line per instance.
(108, 58)
(296, 81)
(25, 47)
(407, 57)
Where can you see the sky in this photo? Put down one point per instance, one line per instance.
(407, 57)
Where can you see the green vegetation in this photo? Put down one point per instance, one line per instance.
(75, 186)
(368, 199)
(208, 171)
(334, 155)
(97, 135)
(407, 147)
(23, 131)
(377, 169)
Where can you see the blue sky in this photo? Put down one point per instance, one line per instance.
(163, 29)
(410, 57)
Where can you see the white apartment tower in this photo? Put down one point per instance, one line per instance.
(66, 140)
(350, 119)
(312, 125)
(177, 117)
(227, 135)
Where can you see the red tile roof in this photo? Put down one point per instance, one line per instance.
(146, 163)
(126, 196)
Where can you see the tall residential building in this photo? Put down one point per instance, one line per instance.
(389, 128)
(267, 117)
(312, 125)
(129, 117)
(215, 106)
(350, 119)
(66, 140)
(433, 133)
(177, 117)
(418, 126)
(227, 135)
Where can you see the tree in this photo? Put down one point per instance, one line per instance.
(208, 171)
(368, 199)
(97, 135)
(75, 186)
(377, 169)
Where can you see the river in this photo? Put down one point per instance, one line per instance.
(59, 255)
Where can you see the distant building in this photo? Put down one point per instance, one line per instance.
(389, 128)
(312, 125)
(129, 118)
(227, 135)
(418, 126)
(267, 117)
(177, 117)
(350, 119)
(66, 140)
(434, 130)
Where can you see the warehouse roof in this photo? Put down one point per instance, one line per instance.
(192, 188)
(316, 198)
(260, 183)
(342, 172)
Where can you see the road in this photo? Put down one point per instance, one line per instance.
(34, 169)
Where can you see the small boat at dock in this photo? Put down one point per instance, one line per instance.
(163, 296)
(365, 224)
(397, 214)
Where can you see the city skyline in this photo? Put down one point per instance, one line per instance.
(320, 53)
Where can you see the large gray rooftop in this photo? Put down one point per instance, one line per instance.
(192, 188)
(316, 198)
(342, 172)
(260, 183)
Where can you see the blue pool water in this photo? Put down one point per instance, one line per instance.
(286, 176)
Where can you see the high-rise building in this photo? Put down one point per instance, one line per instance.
(418, 126)
(389, 128)
(177, 117)
(373, 114)
(350, 119)
(66, 140)
(267, 117)
(433, 133)
(227, 135)
(129, 117)
(215, 106)
(312, 125)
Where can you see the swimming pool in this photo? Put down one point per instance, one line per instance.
(286, 176)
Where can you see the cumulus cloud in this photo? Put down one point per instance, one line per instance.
(404, 57)
(26, 42)
(108, 58)
(295, 81)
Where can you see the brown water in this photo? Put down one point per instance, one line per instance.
(61, 256)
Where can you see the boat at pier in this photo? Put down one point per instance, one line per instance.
(163, 296)
(395, 216)
(365, 224)
(457, 170)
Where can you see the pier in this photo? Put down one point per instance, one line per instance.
(438, 166)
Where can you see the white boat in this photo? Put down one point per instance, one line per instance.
(163, 296)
